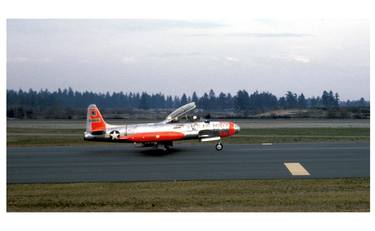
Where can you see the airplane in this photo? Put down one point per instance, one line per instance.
(162, 133)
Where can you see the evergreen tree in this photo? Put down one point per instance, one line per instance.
(169, 102)
(183, 99)
(222, 101)
(242, 100)
(212, 100)
(64, 102)
(204, 101)
(144, 102)
(282, 102)
(262, 101)
(301, 101)
(291, 99)
(194, 98)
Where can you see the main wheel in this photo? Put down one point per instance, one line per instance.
(167, 147)
(219, 146)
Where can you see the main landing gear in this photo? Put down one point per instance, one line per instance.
(168, 146)
(219, 146)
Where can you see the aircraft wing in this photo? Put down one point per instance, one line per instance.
(180, 112)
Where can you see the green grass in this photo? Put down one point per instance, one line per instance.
(287, 195)
(292, 135)
(14, 140)
(307, 132)
(45, 130)
(41, 136)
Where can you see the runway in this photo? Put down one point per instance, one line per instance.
(124, 162)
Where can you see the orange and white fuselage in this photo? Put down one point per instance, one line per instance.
(155, 133)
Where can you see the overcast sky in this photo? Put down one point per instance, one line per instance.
(176, 56)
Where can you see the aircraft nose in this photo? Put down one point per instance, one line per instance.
(236, 128)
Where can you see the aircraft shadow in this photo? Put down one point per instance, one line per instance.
(133, 151)
(160, 152)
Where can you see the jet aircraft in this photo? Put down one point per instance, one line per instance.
(162, 133)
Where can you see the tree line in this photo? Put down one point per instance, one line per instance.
(26, 103)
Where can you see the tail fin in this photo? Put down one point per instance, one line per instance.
(94, 121)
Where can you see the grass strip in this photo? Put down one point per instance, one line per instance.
(286, 195)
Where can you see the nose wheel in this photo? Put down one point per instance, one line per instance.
(219, 146)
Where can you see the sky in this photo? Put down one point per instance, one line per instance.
(181, 56)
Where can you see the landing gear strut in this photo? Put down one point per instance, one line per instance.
(219, 146)
(168, 146)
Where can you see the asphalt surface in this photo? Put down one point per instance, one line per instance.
(124, 162)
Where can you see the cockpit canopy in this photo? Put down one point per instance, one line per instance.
(176, 114)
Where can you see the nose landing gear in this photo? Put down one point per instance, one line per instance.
(219, 146)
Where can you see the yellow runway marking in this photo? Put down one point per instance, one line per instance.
(296, 169)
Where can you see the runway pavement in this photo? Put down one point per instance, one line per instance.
(124, 162)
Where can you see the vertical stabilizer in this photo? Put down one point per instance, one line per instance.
(94, 121)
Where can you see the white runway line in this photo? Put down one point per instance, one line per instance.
(296, 169)
(266, 143)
